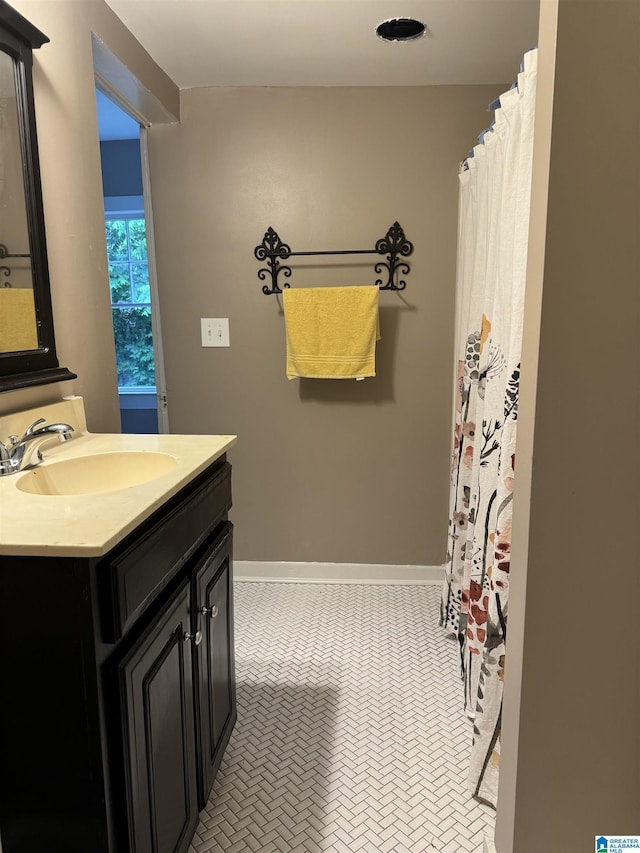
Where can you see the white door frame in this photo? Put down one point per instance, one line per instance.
(156, 326)
(116, 81)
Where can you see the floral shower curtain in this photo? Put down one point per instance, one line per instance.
(495, 189)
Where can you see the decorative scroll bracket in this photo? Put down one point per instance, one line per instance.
(272, 249)
(394, 245)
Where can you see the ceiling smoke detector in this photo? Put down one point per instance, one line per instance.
(400, 29)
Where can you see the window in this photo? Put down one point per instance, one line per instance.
(130, 300)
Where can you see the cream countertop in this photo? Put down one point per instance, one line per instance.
(89, 525)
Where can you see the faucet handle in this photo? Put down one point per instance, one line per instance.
(29, 429)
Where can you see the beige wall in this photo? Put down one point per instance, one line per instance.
(572, 744)
(333, 471)
(72, 194)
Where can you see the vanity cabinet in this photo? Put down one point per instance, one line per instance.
(214, 671)
(118, 683)
(156, 683)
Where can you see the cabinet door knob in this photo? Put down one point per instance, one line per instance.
(197, 637)
(211, 612)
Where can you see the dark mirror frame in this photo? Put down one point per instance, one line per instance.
(18, 38)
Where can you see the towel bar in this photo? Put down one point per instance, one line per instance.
(394, 245)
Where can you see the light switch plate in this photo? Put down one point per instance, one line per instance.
(214, 331)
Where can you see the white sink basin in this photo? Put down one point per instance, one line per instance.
(96, 473)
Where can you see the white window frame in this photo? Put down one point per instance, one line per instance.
(132, 207)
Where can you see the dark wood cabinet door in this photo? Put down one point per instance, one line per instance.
(214, 671)
(156, 682)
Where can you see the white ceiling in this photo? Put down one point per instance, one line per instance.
(331, 42)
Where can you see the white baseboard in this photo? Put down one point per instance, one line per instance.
(365, 573)
(488, 846)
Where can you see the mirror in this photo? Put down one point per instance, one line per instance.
(17, 308)
(27, 345)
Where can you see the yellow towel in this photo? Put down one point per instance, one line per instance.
(331, 331)
(17, 320)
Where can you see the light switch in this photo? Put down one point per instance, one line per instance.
(215, 331)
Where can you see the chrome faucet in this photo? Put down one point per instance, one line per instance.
(20, 453)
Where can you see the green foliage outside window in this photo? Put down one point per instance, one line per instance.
(131, 302)
(134, 347)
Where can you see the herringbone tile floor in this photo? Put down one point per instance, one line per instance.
(350, 734)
